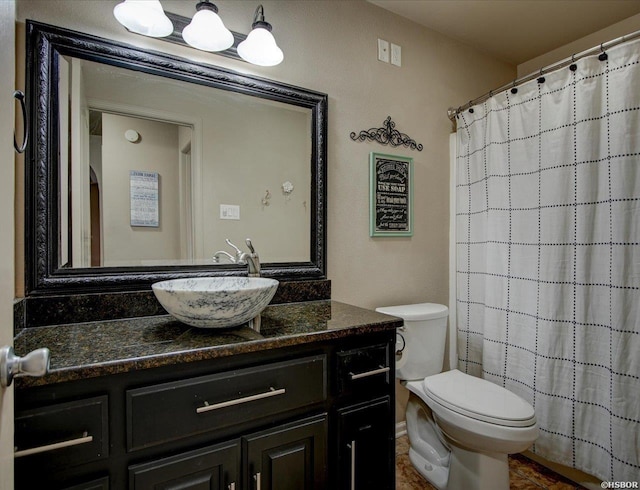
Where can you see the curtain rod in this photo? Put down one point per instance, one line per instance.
(452, 112)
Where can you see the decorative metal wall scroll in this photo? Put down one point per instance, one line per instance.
(387, 135)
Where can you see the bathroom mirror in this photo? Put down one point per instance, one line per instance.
(141, 164)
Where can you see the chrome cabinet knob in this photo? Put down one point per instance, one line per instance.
(36, 363)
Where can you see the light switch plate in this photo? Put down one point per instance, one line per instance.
(383, 50)
(229, 211)
(396, 55)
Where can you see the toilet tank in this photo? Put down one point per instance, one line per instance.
(421, 340)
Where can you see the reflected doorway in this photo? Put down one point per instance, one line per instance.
(96, 220)
(122, 147)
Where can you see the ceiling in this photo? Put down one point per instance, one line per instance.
(514, 30)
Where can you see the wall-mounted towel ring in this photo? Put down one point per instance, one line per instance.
(20, 149)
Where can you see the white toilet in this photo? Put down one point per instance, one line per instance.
(460, 427)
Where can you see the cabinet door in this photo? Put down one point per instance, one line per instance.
(288, 457)
(101, 484)
(366, 446)
(211, 468)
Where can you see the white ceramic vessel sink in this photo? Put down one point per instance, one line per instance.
(215, 302)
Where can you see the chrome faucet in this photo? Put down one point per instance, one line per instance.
(251, 260)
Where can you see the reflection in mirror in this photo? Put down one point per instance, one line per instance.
(161, 171)
(141, 163)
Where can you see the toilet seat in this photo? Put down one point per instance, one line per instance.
(469, 431)
(478, 399)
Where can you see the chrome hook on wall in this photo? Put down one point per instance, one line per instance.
(266, 198)
(25, 138)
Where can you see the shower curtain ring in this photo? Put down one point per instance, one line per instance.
(573, 66)
(603, 55)
(514, 90)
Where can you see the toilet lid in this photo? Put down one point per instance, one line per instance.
(417, 312)
(479, 399)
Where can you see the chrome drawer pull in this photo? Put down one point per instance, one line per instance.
(370, 373)
(238, 401)
(57, 445)
(352, 446)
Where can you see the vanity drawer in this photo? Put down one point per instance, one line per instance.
(169, 411)
(63, 435)
(363, 369)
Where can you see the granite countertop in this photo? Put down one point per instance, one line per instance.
(85, 350)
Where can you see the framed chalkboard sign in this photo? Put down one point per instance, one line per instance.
(391, 195)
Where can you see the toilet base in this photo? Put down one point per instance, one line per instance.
(436, 475)
(470, 470)
(467, 471)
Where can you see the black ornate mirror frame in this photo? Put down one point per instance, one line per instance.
(43, 275)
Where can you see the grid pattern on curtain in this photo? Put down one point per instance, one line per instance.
(548, 256)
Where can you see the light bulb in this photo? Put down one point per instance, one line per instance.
(206, 31)
(260, 48)
(144, 17)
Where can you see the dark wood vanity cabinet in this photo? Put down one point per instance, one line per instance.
(365, 421)
(291, 457)
(214, 467)
(287, 457)
(364, 445)
(212, 402)
(310, 417)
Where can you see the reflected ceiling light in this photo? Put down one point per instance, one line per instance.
(144, 17)
(260, 47)
(206, 30)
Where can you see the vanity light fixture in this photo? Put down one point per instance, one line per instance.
(260, 47)
(206, 31)
(144, 17)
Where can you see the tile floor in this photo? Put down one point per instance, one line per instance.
(524, 474)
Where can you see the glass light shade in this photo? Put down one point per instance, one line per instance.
(143, 17)
(260, 48)
(207, 32)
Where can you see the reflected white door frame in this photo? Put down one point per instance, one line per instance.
(186, 203)
(196, 248)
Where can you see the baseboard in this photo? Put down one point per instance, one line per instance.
(577, 476)
(401, 429)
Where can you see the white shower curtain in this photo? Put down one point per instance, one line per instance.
(548, 256)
